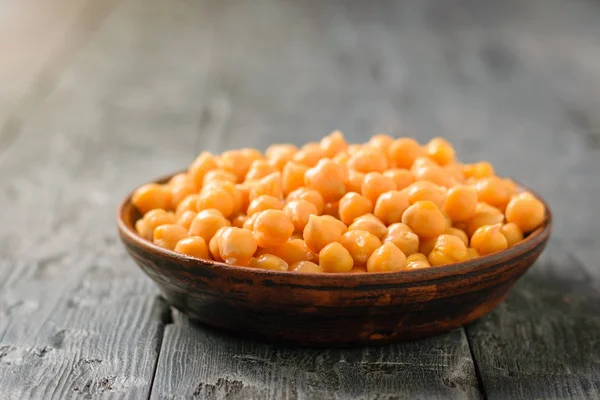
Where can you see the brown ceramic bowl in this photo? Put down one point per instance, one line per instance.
(331, 309)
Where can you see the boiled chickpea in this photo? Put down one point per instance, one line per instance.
(488, 239)
(525, 211)
(259, 169)
(352, 206)
(309, 154)
(217, 198)
(460, 203)
(193, 246)
(375, 184)
(328, 178)
(381, 141)
(298, 211)
(333, 144)
(155, 218)
(391, 206)
(204, 163)
(425, 219)
(417, 261)
(440, 151)
(186, 219)
(207, 223)
(424, 190)
(309, 195)
(292, 177)
(335, 258)
(360, 245)
(306, 267)
(272, 228)
(270, 185)
(484, 215)
(403, 152)
(402, 177)
(478, 170)
(406, 241)
(167, 236)
(218, 175)
(493, 191)
(237, 246)
(459, 233)
(368, 160)
(292, 251)
(371, 224)
(355, 181)
(264, 202)
(269, 261)
(150, 197)
(280, 154)
(320, 231)
(189, 203)
(448, 249)
(388, 257)
(512, 233)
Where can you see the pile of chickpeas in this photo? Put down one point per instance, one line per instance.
(386, 205)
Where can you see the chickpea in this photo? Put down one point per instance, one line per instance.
(381, 142)
(375, 184)
(180, 191)
(150, 197)
(237, 162)
(391, 206)
(525, 211)
(455, 170)
(352, 206)
(218, 175)
(478, 170)
(180, 179)
(242, 197)
(335, 258)
(239, 220)
(333, 144)
(488, 239)
(359, 269)
(298, 211)
(309, 154)
(141, 227)
(213, 244)
(272, 228)
(388, 257)
(402, 177)
(264, 202)
(293, 251)
(237, 246)
(167, 236)
(187, 204)
(473, 253)
(193, 246)
(155, 218)
(368, 160)
(186, 219)
(512, 233)
(293, 177)
(424, 190)
(204, 163)
(207, 223)
(493, 191)
(459, 233)
(417, 261)
(434, 174)
(360, 245)
(269, 261)
(406, 241)
(448, 249)
(309, 195)
(484, 215)
(355, 181)
(270, 185)
(341, 159)
(259, 169)
(217, 198)
(280, 154)
(440, 151)
(328, 178)
(320, 231)
(425, 219)
(249, 223)
(427, 245)
(403, 152)
(371, 224)
(306, 267)
(236, 195)
(460, 203)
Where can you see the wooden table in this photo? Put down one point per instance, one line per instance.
(126, 90)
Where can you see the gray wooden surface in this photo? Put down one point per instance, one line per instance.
(132, 89)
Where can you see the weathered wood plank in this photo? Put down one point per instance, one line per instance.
(77, 318)
(543, 341)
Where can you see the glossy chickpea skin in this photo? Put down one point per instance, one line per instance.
(321, 231)
(193, 246)
(264, 202)
(391, 206)
(237, 246)
(448, 249)
(403, 152)
(207, 223)
(460, 203)
(167, 236)
(306, 267)
(298, 211)
(360, 245)
(417, 261)
(512, 233)
(270, 262)
(327, 178)
(386, 258)
(309, 195)
(403, 178)
(352, 206)
(335, 258)
(375, 184)
(406, 241)
(425, 219)
(272, 228)
(292, 251)
(292, 177)
(525, 211)
(371, 224)
(151, 196)
(489, 239)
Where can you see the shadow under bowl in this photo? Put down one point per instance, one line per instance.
(331, 309)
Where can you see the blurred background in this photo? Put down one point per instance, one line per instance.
(103, 96)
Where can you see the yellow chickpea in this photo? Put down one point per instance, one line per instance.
(391, 206)
(387, 257)
(424, 190)
(298, 211)
(381, 142)
(355, 181)
(181, 178)
(425, 219)
(151, 196)
(435, 174)
(292, 177)
(335, 258)
(218, 175)
(375, 184)
(448, 249)
(426, 245)
(406, 241)
(270, 185)
(204, 163)
(213, 244)
(259, 169)
(237, 162)
(320, 231)
(207, 223)
(249, 223)
(484, 215)
(332, 209)
(193, 246)
(328, 178)
(352, 206)
(309, 154)
(186, 219)
(293, 251)
(417, 261)
(459, 233)
(360, 245)
(403, 152)
(341, 158)
(359, 269)
(280, 154)
(217, 198)
(402, 177)
(397, 228)
(237, 246)
(473, 253)
(141, 227)
(478, 170)
(237, 195)
(167, 236)
(368, 160)
(309, 195)
(371, 224)
(272, 228)
(264, 202)
(525, 211)
(440, 151)
(512, 233)
(180, 191)
(155, 218)
(422, 162)
(493, 191)
(333, 144)
(455, 170)
(306, 267)
(188, 204)
(489, 239)
(269, 261)
(239, 220)
(460, 203)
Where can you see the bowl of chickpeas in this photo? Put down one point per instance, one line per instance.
(335, 244)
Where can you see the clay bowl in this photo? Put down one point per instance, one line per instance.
(331, 309)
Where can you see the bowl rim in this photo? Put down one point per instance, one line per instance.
(535, 238)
